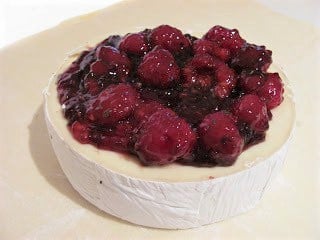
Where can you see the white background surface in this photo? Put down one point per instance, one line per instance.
(20, 18)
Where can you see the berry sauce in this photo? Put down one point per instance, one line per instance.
(166, 96)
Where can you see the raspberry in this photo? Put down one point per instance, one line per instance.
(98, 68)
(221, 138)
(91, 84)
(251, 110)
(252, 57)
(225, 38)
(192, 79)
(119, 139)
(114, 103)
(117, 63)
(169, 38)
(226, 81)
(272, 91)
(164, 138)
(204, 64)
(145, 110)
(251, 82)
(134, 43)
(80, 132)
(202, 46)
(201, 68)
(158, 68)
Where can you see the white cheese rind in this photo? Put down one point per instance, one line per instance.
(177, 205)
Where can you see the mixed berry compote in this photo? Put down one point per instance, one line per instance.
(166, 96)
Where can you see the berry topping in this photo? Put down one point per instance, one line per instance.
(225, 38)
(164, 138)
(220, 136)
(158, 68)
(134, 43)
(169, 38)
(272, 90)
(251, 110)
(113, 104)
(166, 96)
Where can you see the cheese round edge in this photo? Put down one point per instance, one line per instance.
(160, 204)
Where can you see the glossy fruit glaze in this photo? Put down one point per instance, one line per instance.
(166, 96)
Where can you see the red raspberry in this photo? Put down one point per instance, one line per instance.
(272, 91)
(80, 132)
(226, 81)
(158, 68)
(98, 68)
(221, 138)
(169, 38)
(91, 84)
(164, 138)
(119, 139)
(225, 38)
(204, 64)
(134, 43)
(114, 103)
(252, 57)
(200, 70)
(202, 46)
(250, 83)
(145, 110)
(192, 79)
(118, 63)
(251, 110)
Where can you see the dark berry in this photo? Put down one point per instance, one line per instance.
(98, 68)
(118, 63)
(226, 38)
(134, 43)
(169, 38)
(252, 111)
(272, 91)
(252, 57)
(159, 69)
(164, 138)
(114, 103)
(220, 136)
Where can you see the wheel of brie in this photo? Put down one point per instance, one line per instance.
(166, 130)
